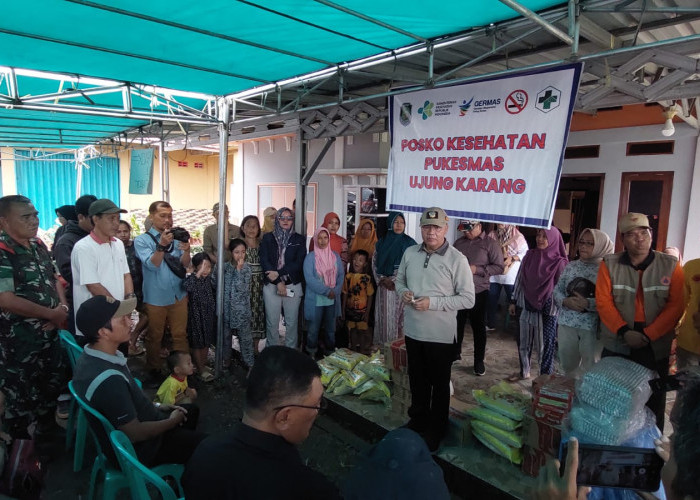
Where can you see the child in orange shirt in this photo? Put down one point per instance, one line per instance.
(357, 300)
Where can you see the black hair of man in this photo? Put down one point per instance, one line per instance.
(198, 258)
(174, 359)
(236, 242)
(279, 375)
(686, 440)
(153, 207)
(7, 201)
(82, 204)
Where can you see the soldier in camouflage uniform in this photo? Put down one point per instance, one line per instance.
(33, 367)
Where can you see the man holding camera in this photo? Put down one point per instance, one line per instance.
(163, 293)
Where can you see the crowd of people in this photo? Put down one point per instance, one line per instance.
(373, 290)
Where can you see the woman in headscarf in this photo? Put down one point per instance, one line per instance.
(574, 295)
(539, 272)
(365, 238)
(338, 244)
(269, 215)
(388, 310)
(64, 213)
(514, 248)
(282, 255)
(323, 271)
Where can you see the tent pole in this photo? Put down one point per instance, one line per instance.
(300, 222)
(224, 113)
(164, 172)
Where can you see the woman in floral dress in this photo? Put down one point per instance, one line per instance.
(250, 227)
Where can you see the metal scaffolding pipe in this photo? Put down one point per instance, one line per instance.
(224, 113)
(525, 12)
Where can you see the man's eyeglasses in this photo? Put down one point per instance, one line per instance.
(322, 406)
(286, 217)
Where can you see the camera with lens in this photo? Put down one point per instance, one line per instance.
(180, 234)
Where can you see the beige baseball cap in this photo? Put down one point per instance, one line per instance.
(631, 220)
(434, 216)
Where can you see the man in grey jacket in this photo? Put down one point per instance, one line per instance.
(434, 281)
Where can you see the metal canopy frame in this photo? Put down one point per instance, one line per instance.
(667, 71)
(103, 111)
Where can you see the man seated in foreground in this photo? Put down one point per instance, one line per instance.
(161, 434)
(259, 458)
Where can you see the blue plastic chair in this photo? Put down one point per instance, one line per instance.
(73, 431)
(114, 479)
(138, 474)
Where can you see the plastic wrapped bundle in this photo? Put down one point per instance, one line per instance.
(617, 386)
(592, 425)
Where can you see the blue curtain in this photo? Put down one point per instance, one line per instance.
(50, 183)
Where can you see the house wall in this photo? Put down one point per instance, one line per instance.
(273, 164)
(613, 162)
(189, 187)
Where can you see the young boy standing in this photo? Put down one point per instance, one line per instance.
(357, 293)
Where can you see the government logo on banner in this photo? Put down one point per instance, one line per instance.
(490, 150)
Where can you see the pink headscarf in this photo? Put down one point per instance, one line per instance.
(541, 269)
(326, 263)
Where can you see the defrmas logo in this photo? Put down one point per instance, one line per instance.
(427, 110)
(464, 107)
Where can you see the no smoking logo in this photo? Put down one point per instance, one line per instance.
(516, 102)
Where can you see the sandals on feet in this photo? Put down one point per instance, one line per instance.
(516, 377)
(206, 376)
(136, 350)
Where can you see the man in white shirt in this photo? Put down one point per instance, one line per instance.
(98, 261)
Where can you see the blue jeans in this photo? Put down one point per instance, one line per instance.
(323, 316)
(494, 297)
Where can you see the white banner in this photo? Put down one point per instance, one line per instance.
(490, 150)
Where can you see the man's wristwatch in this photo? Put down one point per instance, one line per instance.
(160, 248)
(130, 296)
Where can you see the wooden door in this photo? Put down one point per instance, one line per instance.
(648, 193)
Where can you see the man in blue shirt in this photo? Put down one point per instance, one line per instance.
(163, 293)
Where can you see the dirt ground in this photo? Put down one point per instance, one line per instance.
(332, 448)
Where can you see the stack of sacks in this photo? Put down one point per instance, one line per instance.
(397, 360)
(610, 401)
(542, 427)
(497, 421)
(345, 371)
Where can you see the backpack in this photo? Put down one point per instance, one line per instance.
(24, 473)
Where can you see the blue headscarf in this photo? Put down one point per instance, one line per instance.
(391, 247)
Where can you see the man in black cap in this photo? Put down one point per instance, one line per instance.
(160, 433)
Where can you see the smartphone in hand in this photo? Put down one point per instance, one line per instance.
(616, 467)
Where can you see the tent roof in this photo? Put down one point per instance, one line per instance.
(162, 63)
(220, 47)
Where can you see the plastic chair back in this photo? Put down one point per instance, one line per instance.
(138, 474)
(89, 410)
(72, 348)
